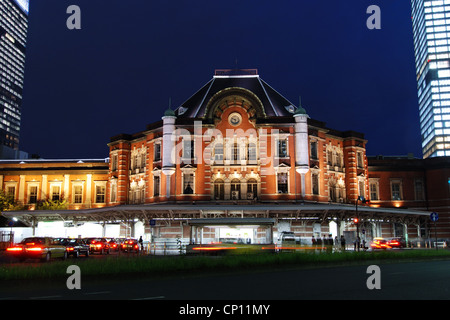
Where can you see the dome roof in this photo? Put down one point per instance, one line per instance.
(272, 102)
(169, 113)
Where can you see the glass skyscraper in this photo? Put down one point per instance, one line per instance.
(13, 34)
(431, 29)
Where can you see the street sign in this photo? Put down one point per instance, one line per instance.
(434, 216)
(152, 222)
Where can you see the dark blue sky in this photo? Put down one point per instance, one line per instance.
(116, 74)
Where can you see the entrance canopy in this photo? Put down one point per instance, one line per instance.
(192, 212)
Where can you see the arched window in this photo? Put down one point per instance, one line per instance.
(252, 189)
(219, 191)
(235, 189)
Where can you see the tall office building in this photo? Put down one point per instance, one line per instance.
(431, 29)
(13, 34)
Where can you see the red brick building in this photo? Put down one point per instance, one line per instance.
(238, 149)
(408, 182)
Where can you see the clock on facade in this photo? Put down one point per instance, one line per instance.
(235, 119)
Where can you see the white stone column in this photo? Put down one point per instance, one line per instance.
(168, 148)
(301, 145)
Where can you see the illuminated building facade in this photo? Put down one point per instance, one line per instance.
(13, 35)
(237, 160)
(75, 184)
(238, 139)
(431, 29)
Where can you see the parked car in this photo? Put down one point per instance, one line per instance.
(76, 247)
(99, 245)
(43, 248)
(130, 245)
(114, 244)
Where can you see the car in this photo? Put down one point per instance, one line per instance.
(43, 248)
(99, 245)
(397, 242)
(114, 244)
(130, 245)
(380, 243)
(76, 247)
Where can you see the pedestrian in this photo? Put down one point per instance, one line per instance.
(330, 243)
(141, 242)
(342, 243)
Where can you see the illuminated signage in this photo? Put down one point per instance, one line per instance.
(23, 4)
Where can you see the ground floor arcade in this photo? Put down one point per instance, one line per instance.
(203, 223)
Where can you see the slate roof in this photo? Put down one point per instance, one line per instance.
(274, 104)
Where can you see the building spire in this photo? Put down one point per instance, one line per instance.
(169, 111)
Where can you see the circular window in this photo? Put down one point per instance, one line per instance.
(235, 119)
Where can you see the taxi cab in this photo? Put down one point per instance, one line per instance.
(380, 243)
(43, 248)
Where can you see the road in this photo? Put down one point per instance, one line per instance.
(400, 281)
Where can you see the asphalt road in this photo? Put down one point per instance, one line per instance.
(428, 280)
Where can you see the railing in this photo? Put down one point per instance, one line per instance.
(166, 247)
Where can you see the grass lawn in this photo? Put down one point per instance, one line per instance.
(147, 265)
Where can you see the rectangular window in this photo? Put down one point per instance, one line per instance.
(419, 190)
(314, 150)
(188, 183)
(218, 153)
(33, 194)
(100, 194)
(282, 151)
(359, 159)
(361, 188)
(157, 153)
(114, 162)
(252, 152)
(396, 190)
(282, 179)
(330, 158)
(156, 184)
(11, 192)
(235, 152)
(188, 149)
(56, 193)
(373, 185)
(315, 183)
(142, 160)
(113, 192)
(77, 194)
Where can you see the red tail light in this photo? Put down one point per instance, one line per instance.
(70, 249)
(35, 249)
(14, 249)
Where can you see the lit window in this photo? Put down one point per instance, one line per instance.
(56, 190)
(282, 182)
(396, 190)
(77, 194)
(100, 194)
(33, 194)
(188, 183)
(156, 186)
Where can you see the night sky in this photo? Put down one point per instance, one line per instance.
(117, 73)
